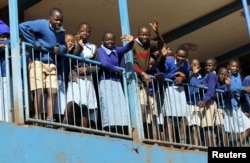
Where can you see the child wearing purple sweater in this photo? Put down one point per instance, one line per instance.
(208, 104)
(114, 109)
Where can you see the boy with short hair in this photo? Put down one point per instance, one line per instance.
(221, 137)
(48, 34)
(142, 48)
(207, 103)
(193, 97)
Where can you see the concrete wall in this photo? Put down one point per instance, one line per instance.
(35, 144)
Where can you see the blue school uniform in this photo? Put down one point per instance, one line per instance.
(174, 96)
(245, 101)
(40, 33)
(235, 119)
(114, 109)
(221, 96)
(193, 93)
(209, 81)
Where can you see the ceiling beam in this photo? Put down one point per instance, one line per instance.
(25, 4)
(202, 21)
(233, 53)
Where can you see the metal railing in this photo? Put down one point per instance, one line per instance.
(77, 106)
(6, 94)
(169, 109)
(168, 117)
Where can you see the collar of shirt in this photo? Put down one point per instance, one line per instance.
(88, 51)
(137, 40)
(198, 76)
(181, 65)
(59, 30)
(209, 72)
(108, 51)
(231, 74)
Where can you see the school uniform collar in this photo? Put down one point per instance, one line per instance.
(198, 75)
(231, 74)
(87, 45)
(61, 29)
(175, 62)
(139, 42)
(109, 51)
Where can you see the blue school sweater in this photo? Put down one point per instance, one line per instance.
(221, 97)
(39, 32)
(210, 81)
(171, 67)
(236, 87)
(246, 97)
(110, 58)
(193, 93)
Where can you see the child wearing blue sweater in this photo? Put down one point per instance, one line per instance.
(207, 103)
(223, 78)
(48, 34)
(235, 120)
(193, 97)
(177, 69)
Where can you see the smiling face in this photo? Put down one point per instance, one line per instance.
(144, 35)
(210, 65)
(109, 40)
(84, 31)
(69, 39)
(233, 66)
(181, 56)
(56, 19)
(195, 63)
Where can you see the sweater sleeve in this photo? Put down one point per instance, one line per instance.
(168, 73)
(125, 49)
(210, 94)
(104, 62)
(29, 30)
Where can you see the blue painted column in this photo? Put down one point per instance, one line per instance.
(134, 103)
(16, 65)
(246, 11)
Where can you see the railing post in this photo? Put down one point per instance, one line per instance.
(16, 64)
(134, 104)
(246, 11)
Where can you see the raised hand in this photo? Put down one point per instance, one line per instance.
(227, 80)
(78, 39)
(154, 25)
(127, 38)
(196, 69)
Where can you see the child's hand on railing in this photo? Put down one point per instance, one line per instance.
(119, 73)
(159, 77)
(178, 80)
(146, 77)
(57, 49)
